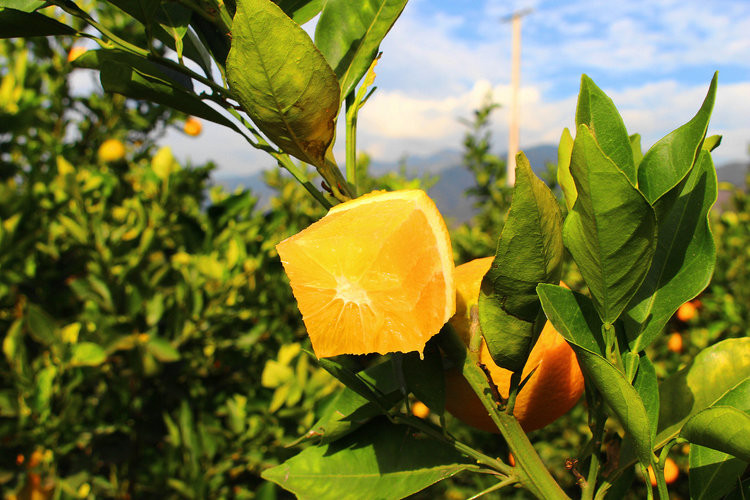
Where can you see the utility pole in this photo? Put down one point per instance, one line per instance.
(515, 82)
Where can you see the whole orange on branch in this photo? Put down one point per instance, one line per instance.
(375, 275)
(551, 391)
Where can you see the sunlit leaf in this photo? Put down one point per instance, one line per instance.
(380, 460)
(670, 159)
(349, 35)
(597, 111)
(282, 81)
(529, 252)
(611, 231)
(684, 259)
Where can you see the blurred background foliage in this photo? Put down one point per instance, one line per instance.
(151, 343)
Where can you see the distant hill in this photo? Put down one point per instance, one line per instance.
(454, 179)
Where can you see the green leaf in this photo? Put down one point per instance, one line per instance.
(722, 428)
(378, 461)
(40, 325)
(647, 386)
(611, 231)
(684, 259)
(354, 381)
(635, 146)
(597, 111)
(349, 35)
(670, 159)
(22, 5)
(714, 371)
(142, 10)
(281, 80)
(711, 143)
(174, 19)
(17, 23)
(87, 354)
(740, 492)
(13, 347)
(564, 177)
(44, 382)
(425, 377)
(574, 316)
(348, 410)
(714, 473)
(300, 11)
(162, 350)
(129, 81)
(529, 252)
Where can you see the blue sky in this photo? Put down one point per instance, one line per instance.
(654, 58)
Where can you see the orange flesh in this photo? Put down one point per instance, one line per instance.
(371, 277)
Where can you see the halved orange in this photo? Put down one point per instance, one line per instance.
(374, 275)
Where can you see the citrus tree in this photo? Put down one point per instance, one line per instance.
(376, 275)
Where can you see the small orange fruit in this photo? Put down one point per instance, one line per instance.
(111, 150)
(553, 389)
(686, 312)
(374, 275)
(75, 53)
(511, 460)
(674, 343)
(671, 472)
(193, 126)
(419, 409)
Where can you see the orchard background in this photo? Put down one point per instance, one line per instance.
(151, 343)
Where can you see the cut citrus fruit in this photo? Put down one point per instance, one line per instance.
(374, 275)
(552, 390)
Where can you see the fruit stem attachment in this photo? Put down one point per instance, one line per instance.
(530, 470)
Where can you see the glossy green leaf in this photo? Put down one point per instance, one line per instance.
(684, 259)
(22, 5)
(722, 428)
(529, 252)
(348, 410)
(349, 35)
(714, 371)
(670, 159)
(17, 23)
(611, 231)
(597, 111)
(714, 473)
(87, 354)
(282, 82)
(379, 461)
(162, 349)
(425, 377)
(40, 325)
(635, 146)
(300, 11)
(574, 316)
(564, 177)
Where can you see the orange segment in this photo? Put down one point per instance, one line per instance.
(374, 275)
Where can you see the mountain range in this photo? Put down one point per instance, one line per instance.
(453, 178)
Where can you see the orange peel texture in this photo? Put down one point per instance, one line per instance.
(375, 275)
(553, 389)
